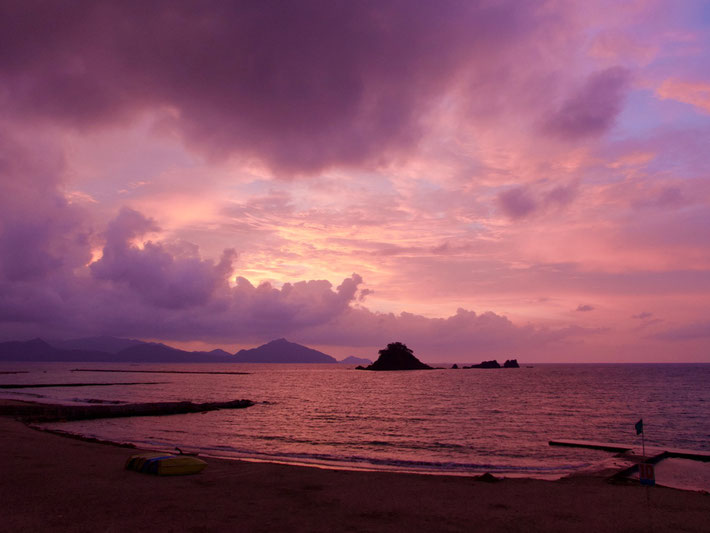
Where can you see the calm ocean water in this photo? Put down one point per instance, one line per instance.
(440, 421)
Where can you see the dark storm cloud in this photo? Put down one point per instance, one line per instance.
(302, 85)
(41, 233)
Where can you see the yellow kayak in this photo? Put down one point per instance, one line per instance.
(162, 464)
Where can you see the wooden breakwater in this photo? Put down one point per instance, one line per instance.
(133, 371)
(658, 454)
(38, 412)
(627, 452)
(607, 447)
(52, 385)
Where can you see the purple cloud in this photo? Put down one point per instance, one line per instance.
(521, 202)
(666, 197)
(561, 195)
(697, 330)
(584, 308)
(41, 234)
(517, 203)
(159, 276)
(302, 86)
(465, 335)
(166, 290)
(592, 109)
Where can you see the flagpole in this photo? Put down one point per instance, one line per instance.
(639, 429)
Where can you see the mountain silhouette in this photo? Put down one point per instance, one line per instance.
(103, 343)
(135, 351)
(160, 353)
(37, 350)
(282, 351)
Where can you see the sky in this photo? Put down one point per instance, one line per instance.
(480, 179)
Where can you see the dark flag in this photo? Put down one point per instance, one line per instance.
(639, 427)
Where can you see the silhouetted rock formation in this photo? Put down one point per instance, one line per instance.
(486, 364)
(455, 366)
(282, 351)
(510, 363)
(397, 357)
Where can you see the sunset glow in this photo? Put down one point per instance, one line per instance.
(475, 179)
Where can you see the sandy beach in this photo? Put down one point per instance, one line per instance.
(54, 483)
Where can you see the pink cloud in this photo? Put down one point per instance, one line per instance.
(694, 93)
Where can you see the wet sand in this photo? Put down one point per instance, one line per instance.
(54, 483)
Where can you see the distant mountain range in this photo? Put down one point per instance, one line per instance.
(352, 360)
(98, 344)
(118, 350)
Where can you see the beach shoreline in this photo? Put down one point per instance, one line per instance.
(55, 483)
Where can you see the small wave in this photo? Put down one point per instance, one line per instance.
(96, 401)
(406, 445)
(29, 394)
(360, 461)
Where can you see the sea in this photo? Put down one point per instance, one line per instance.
(444, 421)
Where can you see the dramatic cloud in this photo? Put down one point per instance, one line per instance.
(149, 289)
(41, 233)
(216, 172)
(164, 279)
(302, 86)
